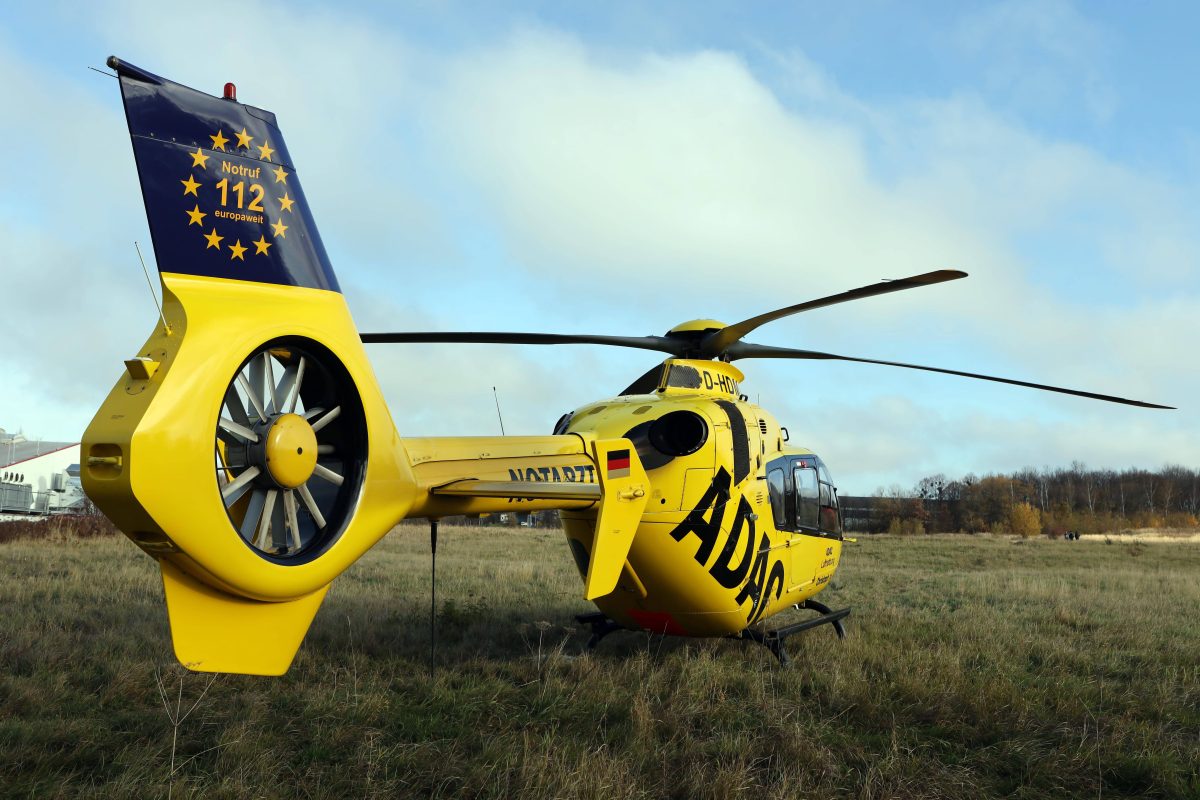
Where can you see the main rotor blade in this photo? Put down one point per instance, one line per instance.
(747, 350)
(719, 342)
(658, 343)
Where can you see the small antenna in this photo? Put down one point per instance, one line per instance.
(498, 414)
(153, 296)
(433, 532)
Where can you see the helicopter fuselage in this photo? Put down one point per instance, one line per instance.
(738, 524)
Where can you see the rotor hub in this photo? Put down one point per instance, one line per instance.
(290, 450)
(696, 326)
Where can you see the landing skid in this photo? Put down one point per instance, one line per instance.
(774, 640)
(601, 626)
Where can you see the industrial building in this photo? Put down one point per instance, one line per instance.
(38, 478)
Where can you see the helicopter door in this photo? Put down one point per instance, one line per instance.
(805, 547)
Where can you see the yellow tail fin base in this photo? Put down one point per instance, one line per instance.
(217, 632)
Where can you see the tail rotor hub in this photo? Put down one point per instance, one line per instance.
(289, 452)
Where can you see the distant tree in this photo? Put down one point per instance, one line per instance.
(1024, 520)
(1087, 482)
(1073, 498)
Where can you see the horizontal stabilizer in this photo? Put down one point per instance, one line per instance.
(520, 489)
(218, 632)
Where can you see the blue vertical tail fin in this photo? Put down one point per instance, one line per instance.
(222, 196)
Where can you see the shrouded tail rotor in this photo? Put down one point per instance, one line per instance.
(291, 449)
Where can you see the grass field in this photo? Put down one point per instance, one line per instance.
(975, 667)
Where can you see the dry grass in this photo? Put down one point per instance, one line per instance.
(976, 667)
(58, 527)
(1158, 535)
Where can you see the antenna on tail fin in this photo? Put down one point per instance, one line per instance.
(499, 416)
(153, 296)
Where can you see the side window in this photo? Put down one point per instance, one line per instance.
(806, 497)
(831, 520)
(778, 494)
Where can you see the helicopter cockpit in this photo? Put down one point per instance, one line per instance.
(803, 497)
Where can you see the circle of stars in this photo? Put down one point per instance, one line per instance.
(191, 186)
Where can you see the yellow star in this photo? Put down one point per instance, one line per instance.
(197, 216)
(265, 151)
(286, 203)
(238, 251)
(244, 138)
(213, 239)
(199, 159)
(261, 245)
(279, 229)
(280, 175)
(219, 141)
(190, 186)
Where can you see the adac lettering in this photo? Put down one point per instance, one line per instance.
(752, 572)
(583, 473)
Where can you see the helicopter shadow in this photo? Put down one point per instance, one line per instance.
(469, 628)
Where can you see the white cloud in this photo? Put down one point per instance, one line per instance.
(681, 168)
(685, 171)
(629, 191)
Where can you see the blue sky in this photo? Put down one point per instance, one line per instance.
(622, 167)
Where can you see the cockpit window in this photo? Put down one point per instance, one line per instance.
(803, 497)
(807, 495)
(778, 494)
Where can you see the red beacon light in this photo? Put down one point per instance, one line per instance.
(230, 92)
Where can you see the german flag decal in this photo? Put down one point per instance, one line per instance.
(618, 463)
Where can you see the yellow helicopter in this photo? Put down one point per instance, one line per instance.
(248, 449)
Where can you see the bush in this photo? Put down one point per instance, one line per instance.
(58, 526)
(906, 527)
(1024, 520)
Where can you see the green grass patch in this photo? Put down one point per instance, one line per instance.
(975, 667)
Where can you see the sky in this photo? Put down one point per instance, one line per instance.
(620, 167)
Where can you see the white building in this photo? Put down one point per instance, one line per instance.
(38, 477)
